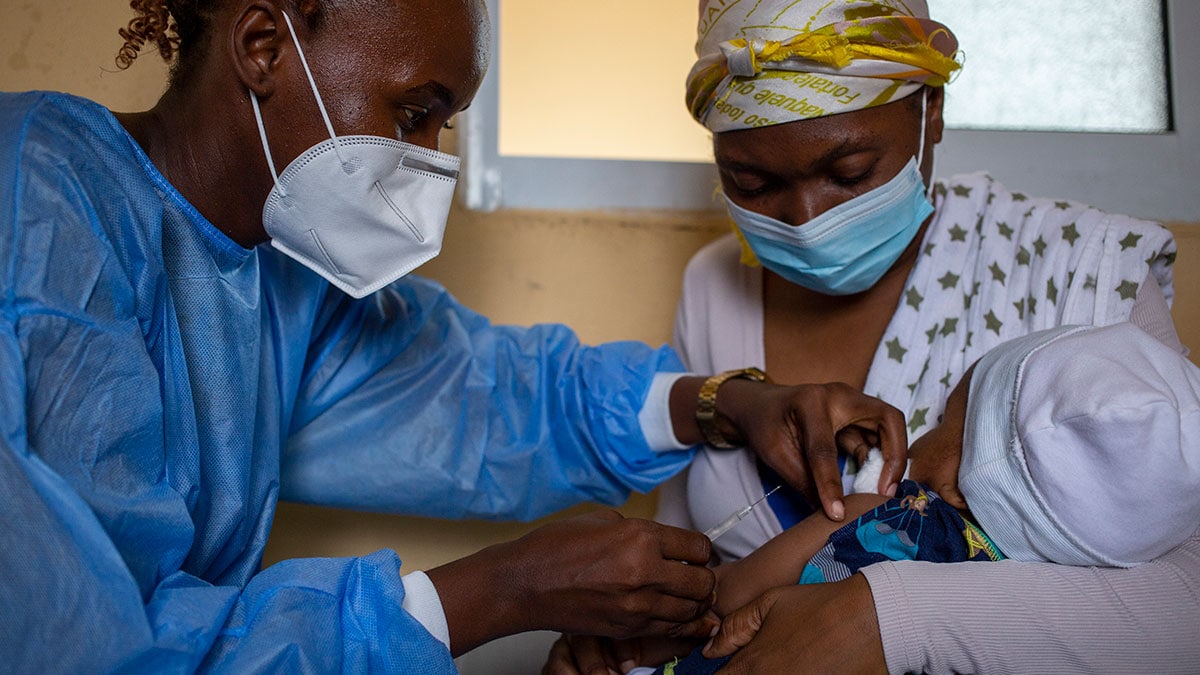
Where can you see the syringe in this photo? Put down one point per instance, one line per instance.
(726, 525)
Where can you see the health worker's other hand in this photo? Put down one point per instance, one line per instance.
(590, 655)
(597, 574)
(798, 430)
(829, 628)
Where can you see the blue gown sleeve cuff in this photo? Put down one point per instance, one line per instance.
(655, 415)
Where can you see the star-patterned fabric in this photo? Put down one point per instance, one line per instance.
(996, 265)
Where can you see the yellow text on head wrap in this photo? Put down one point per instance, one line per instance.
(899, 49)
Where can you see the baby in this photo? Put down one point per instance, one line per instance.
(1078, 446)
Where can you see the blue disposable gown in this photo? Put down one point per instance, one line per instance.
(161, 388)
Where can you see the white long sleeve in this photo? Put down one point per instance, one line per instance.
(655, 416)
(422, 601)
(1010, 617)
(1152, 314)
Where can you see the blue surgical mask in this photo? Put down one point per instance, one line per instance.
(848, 248)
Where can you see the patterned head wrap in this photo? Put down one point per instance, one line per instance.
(766, 62)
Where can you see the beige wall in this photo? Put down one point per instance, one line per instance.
(609, 275)
(69, 45)
(1187, 285)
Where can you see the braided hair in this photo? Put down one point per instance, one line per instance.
(165, 24)
(177, 29)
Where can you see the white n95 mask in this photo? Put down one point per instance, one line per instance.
(361, 211)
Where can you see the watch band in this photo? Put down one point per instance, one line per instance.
(706, 404)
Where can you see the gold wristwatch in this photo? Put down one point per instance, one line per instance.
(706, 404)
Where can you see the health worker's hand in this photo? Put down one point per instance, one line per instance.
(829, 628)
(798, 430)
(590, 655)
(597, 574)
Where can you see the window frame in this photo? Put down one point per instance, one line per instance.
(1154, 176)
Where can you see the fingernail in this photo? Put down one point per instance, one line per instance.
(837, 510)
(713, 633)
(707, 646)
(628, 665)
(891, 491)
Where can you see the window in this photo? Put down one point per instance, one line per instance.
(595, 84)
(591, 113)
(1058, 66)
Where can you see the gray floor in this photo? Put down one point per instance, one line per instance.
(516, 655)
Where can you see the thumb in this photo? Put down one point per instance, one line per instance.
(739, 627)
(701, 627)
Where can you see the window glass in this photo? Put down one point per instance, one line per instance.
(598, 80)
(1068, 65)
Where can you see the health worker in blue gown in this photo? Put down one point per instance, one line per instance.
(168, 375)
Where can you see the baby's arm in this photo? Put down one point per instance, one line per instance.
(780, 561)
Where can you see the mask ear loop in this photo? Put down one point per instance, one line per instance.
(921, 146)
(317, 93)
(262, 130)
(921, 143)
(262, 133)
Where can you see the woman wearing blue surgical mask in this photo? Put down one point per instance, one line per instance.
(205, 308)
(849, 263)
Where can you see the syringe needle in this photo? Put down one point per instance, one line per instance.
(725, 525)
(773, 491)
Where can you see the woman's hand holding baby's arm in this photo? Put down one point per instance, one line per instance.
(830, 628)
(587, 654)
